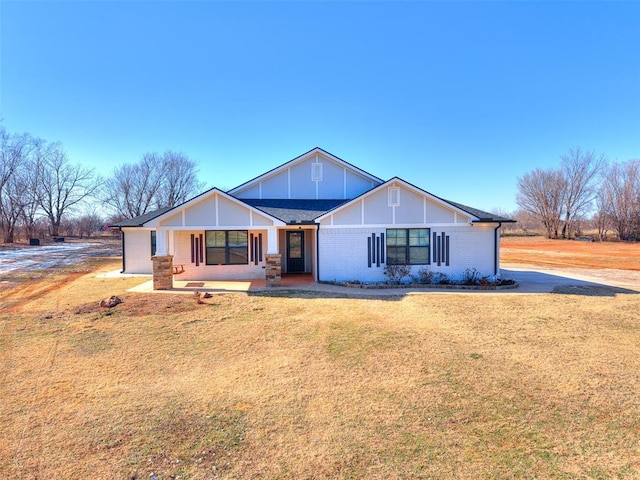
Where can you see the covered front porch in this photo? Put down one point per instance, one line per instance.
(189, 287)
(271, 256)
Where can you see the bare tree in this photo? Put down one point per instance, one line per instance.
(62, 185)
(156, 181)
(601, 219)
(88, 224)
(580, 170)
(619, 199)
(179, 180)
(15, 151)
(541, 193)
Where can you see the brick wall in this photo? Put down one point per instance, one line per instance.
(182, 249)
(343, 253)
(137, 245)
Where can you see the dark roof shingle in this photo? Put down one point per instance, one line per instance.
(293, 210)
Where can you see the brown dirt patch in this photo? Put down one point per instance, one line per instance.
(540, 251)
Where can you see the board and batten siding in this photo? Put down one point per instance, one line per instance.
(137, 247)
(313, 177)
(412, 209)
(216, 211)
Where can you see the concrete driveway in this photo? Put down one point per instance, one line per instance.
(534, 279)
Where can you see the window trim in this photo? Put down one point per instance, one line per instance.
(407, 246)
(316, 172)
(227, 248)
(394, 197)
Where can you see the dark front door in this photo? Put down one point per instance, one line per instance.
(295, 252)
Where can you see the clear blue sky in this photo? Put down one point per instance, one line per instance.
(458, 98)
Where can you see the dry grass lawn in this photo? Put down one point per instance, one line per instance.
(293, 386)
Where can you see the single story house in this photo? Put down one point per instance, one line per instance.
(315, 214)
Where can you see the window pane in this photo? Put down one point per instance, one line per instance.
(238, 256)
(215, 238)
(216, 256)
(396, 255)
(419, 255)
(396, 237)
(237, 238)
(419, 237)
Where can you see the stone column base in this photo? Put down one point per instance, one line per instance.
(162, 272)
(273, 269)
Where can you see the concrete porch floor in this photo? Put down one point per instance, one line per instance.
(227, 286)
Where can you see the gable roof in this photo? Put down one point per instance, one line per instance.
(300, 158)
(140, 220)
(294, 211)
(480, 216)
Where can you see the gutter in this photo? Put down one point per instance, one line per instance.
(123, 255)
(317, 252)
(496, 258)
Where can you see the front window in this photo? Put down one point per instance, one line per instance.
(408, 246)
(153, 243)
(227, 247)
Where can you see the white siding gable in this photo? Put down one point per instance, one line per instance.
(314, 175)
(213, 209)
(407, 206)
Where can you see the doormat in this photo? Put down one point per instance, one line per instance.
(194, 284)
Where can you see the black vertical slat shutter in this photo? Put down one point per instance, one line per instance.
(373, 248)
(260, 247)
(193, 248)
(435, 244)
(252, 250)
(255, 247)
(201, 248)
(383, 245)
(447, 252)
(369, 252)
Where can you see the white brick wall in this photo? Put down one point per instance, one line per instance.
(343, 253)
(137, 247)
(182, 248)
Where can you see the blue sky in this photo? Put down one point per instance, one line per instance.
(458, 98)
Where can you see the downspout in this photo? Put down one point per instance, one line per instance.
(318, 252)
(496, 253)
(123, 255)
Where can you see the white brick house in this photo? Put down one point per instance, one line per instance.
(315, 214)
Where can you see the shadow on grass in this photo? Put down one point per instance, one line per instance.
(315, 294)
(591, 290)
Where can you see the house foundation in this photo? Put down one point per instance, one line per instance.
(273, 266)
(162, 272)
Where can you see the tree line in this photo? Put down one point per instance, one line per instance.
(584, 186)
(42, 192)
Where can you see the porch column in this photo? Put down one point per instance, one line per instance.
(272, 240)
(162, 272)
(162, 242)
(273, 262)
(273, 270)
